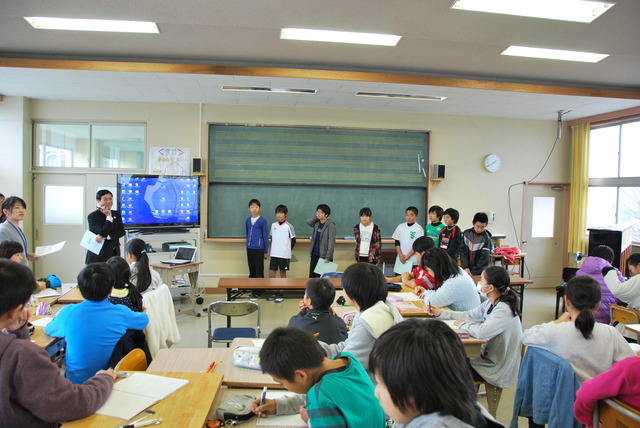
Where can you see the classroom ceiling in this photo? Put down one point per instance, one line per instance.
(437, 42)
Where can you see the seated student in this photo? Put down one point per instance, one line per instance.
(13, 251)
(590, 347)
(455, 288)
(143, 276)
(475, 251)
(622, 381)
(339, 393)
(32, 392)
(497, 321)
(423, 379)
(419, 276)
(92, 328)
(366, 291)
(599, 258)
(628, 291)
(314, 315)
(124, 292)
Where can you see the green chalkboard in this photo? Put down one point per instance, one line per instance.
(228, 206)
(302, 167)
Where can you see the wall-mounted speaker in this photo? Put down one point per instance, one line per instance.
(438, 171)
(196, 166)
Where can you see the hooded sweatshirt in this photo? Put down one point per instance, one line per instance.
(34, 394)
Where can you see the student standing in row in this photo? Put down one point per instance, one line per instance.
(257, 232)
(323, 238)
(14, 210)
(405, 234)
(107, 225)
(451, 235)
(32, 392)
(475, 251)
(435, 225)
(283, 239)
(368, 239)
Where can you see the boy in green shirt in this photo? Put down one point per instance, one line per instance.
(435, 225)
(339, 392)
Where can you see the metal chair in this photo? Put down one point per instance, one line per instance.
(232, 309)
(134, 360)
(332, 275)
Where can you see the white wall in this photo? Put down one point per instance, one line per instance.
(459, 142)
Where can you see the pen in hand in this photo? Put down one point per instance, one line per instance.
(263, 397)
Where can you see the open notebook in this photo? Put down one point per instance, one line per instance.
(139, 391)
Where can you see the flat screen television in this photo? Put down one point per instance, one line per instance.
(159, 201)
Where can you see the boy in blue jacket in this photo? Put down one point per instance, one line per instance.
(257, 240)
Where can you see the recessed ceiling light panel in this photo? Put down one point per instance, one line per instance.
(339, 37)
(269, 89)
(399, 96)
(555, 54)
(563, 10)
(107, 25)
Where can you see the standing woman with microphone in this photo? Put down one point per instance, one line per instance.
(107, 225)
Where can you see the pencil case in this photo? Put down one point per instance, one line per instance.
(247, 357)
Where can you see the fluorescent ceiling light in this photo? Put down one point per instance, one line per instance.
(268, 89)
(563, 10)
(553, 54)
(109, 25)
(399, 96)
(340, 37)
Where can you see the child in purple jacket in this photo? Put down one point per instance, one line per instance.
(600, 257)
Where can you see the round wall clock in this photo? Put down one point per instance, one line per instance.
(493, 163)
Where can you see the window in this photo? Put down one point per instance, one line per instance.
(614, 176)
(104, 146)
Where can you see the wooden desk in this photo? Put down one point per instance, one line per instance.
(187, 407)
(237, 287)
(71, 296)
(504, 262)
(187, 360)
(239, 377)
(167, 272)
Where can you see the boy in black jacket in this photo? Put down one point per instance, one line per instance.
(314, 315)
(475, 252)
(451, 235)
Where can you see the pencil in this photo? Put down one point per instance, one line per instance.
(316, 334)
(211, 367)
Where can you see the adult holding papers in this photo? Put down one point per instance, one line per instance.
(32, 392)
(107, 225)
(14, 210)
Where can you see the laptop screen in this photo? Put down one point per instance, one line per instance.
(185, 253)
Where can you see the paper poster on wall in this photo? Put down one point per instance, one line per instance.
(169, 161)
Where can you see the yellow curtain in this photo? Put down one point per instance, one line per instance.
(579, 187)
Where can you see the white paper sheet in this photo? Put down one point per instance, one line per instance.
(400, 267)
(258, 342)
(323, 267)
(405, 297)
(48, 249)
(137, 392)
(281, 420)
(47, 292)
(42, 322)
(89, 242)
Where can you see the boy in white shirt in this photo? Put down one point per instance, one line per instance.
(283, 239)
(405, 234)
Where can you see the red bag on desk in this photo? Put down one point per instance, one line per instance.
(508, 253)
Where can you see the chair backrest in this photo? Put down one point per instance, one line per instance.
(568, 273)
(612, 412)
(233, 309)
(624, 315)
(134, 360)
(332, 275)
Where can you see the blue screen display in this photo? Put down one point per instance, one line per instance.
(159, 201)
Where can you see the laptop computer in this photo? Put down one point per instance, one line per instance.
(182, 256)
